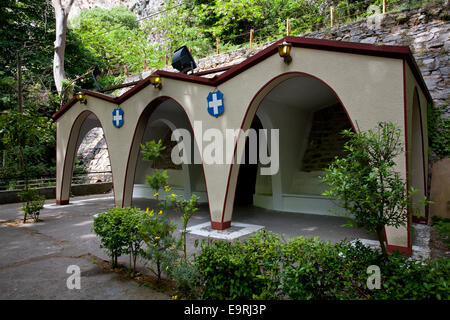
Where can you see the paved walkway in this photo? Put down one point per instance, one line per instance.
(34, 257)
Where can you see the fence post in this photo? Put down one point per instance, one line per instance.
(251, 37)
(166, 59)
(384, 6)
(331, 16)
(288, 28)
(217, 45)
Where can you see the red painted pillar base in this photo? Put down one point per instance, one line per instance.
(62, 202)
(220, 225)
(404, 251)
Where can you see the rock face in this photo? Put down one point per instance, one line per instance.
(425, 30)
(93, 156)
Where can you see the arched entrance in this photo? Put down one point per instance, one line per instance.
(84, 123)
(416, 155)
(248, 171)
(158, 121)
(309, 117)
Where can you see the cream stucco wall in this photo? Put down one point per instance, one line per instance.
(370, 88)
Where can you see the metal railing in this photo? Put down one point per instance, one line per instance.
(18, 183)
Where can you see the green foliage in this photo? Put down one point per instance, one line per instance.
(26, 138)
(265, 267)
(442, 226)
(318, 270)
(151, 150)
(114, 37)
(158, 180)
(119, 232)
(187, 278)
(161, 246)
(33, 203)
(438, 132)
(239, 269)
(27, 29)
(365, 183)
(187, 208)
(412, 279)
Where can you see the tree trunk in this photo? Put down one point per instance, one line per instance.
(381, 239)
(61, 18)
(19, 83)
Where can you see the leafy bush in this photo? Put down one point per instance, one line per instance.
(439, 131)
(313, 269)
(118, 229)
(157, 181)
(442, 226)
(187, 278)
(161, 246)
(265, 267)
(239, 269)
(365, 183)
(33, 205)
(187, 209)
(405, 279)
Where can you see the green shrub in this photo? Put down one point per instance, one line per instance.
(313, 269)
(442, 226)
(239, 269)
(187, 278)
(405, 279)
(365, 183)
(187, 209)
(33, 203)
(161, 246)
(119, 232)
(265, 267)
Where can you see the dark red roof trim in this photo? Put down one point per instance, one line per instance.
(396, 52)
(120, 86)
(202, 73)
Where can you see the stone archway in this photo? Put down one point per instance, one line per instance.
(84, 122)
(167, 113)
(295, 103)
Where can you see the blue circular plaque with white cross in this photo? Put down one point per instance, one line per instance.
(215, 103)
(117, 117)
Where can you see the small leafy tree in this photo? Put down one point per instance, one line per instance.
(187, 208)
(33, 203)
(151, 151)
(23, 132)
(365, 183)
(119, 232)
(161, 247)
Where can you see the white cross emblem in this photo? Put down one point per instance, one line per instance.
(118, 117)
(215, 103)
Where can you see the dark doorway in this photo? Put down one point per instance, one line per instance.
(246, 182)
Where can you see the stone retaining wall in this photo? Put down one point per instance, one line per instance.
(10, 196)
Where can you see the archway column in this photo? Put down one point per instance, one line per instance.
(67, 146)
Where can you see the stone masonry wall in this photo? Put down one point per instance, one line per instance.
(325, 138)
